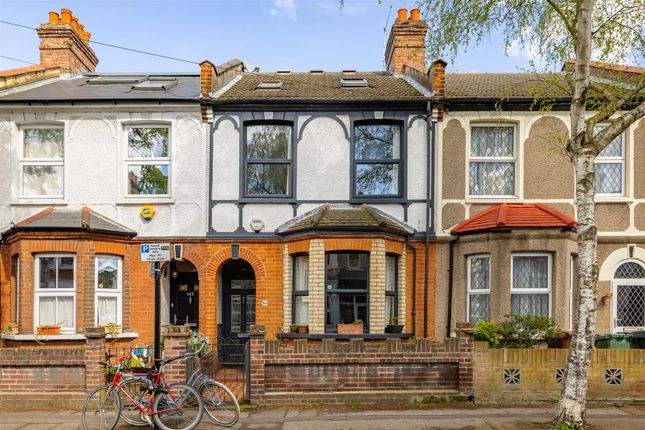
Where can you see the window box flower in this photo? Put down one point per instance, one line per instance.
(357, 327)
(48, 330)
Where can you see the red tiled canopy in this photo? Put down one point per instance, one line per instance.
(515, 215)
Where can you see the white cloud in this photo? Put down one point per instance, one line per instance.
(527, 50)
(284, 7)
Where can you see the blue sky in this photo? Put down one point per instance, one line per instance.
(298, 35)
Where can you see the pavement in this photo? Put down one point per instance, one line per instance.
(440, 417)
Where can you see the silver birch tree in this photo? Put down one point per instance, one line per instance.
(556, 31)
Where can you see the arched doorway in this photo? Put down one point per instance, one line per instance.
(629, 293)
(183, 297)
(238, 307)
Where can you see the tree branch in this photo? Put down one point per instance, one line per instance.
(564, 18)
(617, 126)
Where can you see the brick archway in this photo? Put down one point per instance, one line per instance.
(246, 254)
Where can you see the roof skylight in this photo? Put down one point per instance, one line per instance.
(353, 82)
(269, 85)
(120, 79)
(155, 85)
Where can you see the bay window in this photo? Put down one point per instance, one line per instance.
(531, 284)
(346, 288)
(391, 289)
(300, 298)
(108, 291)
(478, 302)
(492, 161)
(55, 292)
(42, 162)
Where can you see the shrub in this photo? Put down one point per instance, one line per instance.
(518, 331)
(487, 331)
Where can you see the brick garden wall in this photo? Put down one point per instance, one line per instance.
(304, 371)
(534, 375)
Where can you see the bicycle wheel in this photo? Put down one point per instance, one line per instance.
(179, 407)
(101, 409)
(220, 403)
(137, 389)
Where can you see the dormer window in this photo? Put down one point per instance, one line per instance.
(353, 82)
(269, 85)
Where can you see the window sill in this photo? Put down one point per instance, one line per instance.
(613, 199)
(39, 202)
(366, 336)
(70, 336)
(145, 201)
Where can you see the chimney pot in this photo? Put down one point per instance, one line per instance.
(64, 43)
(402, 14)
(66, 16)
(415, 14)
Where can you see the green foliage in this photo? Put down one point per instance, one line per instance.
(488, 332)
(518, 331)
(546, 29)
(358, 322)
(562, 426)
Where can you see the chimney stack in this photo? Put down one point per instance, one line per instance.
(64, 43)
(407, 42)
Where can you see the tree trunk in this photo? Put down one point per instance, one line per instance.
(574, 391)
(572, 405)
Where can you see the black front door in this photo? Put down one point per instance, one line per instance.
(239, 310)
(184, 298)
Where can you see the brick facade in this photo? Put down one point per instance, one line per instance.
(304, 371)
(406, 44)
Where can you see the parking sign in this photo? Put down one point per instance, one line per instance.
(155, 252)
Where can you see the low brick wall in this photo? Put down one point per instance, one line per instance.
(51, 376)
(330, 371)
(534, 375)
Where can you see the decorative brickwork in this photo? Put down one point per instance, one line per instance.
(306, 371)
(377, 287)
(535, 375)
(316, 286)
(287, 286)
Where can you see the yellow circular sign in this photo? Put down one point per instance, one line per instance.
(147, 212)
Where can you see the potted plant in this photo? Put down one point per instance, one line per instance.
(293, 328)
(48, 329)
(112, 329)
(303, 328)
(12, 329)
(393, 326)
(356, 327)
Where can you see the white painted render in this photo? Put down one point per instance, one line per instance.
(95, 144)
(323, 171)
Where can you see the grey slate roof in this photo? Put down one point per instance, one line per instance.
(83, 219)
(78, 89)
(321, 87)
(344, 217)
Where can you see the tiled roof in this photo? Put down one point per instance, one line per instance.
(83, 219)
(342, 217)
(321, 87)
(507, 216)
(81, 89)
(505, 85)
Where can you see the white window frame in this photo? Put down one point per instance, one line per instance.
(547, 290)
(140, 161)
(614, 160)
(56, 162)
(614, 291)
(53, 292)
(118, 293)
(479, 159)
(469, 290)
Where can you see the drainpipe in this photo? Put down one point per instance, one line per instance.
(414, 285)
(430, 129)
(450, 271)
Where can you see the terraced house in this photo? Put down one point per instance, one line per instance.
(296, 198)
(302, 201)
